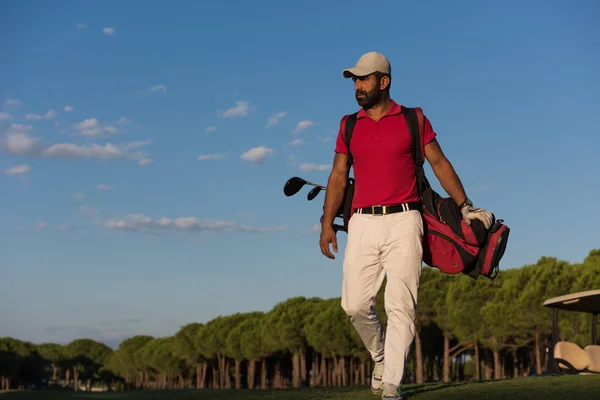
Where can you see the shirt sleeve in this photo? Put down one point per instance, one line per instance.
(429, 134)
(340, 143)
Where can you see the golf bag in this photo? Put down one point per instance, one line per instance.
(449, 244)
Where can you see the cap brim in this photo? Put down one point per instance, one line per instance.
(358, 72)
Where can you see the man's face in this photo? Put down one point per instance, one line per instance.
(367, 90)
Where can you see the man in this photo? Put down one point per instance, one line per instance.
(391, 243)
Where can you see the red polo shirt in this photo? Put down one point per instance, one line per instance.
(384, 170)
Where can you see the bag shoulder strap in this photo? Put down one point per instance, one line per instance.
(348, 130)
(416, 121)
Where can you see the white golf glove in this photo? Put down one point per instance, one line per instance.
(470, 213)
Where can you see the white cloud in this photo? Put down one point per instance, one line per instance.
(108, 30)
(104, 187)
(302, 125)
(71, 151)
(257, 155)
(12, 102)
(216, 156)
(137, 144)
(17, 169)
(41, 225)
(316, 228)
(240, 110)
(274, 119)
(296, 142)
(20, 128)
(37, 227)
(124, 121)
(324, 139)
(68, 108)
(65, 226)
(156, 88)
(4, 116)
(91, 127)
(306, 167)
(145, 161)
(49, 115)
(107, 151)
(89, 212)
(36, 117)
(19, 142)
(79, 196)
(138, 222)
(246, 228)
(80, 26)
(210, 129)
(156, 226)
(88, 123)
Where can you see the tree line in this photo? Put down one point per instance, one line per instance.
(466, 329)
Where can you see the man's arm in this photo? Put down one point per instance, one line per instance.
(336, 186)
(453, 186)
(445, 173)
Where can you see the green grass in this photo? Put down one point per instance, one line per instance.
(553, 388)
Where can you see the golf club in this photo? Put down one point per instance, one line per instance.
(313, 193)
(293, 185)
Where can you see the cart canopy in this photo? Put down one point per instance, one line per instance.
(588, 302)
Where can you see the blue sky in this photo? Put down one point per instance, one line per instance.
(142, 181)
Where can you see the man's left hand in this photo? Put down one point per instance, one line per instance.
(470, 213)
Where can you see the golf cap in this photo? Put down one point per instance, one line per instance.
(369, 63)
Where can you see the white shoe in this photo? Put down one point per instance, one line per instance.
(376, 377)
(391, 392)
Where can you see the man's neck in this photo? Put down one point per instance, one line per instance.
(379, 110)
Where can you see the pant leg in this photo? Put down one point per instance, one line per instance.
(402, 254)
(362, 277)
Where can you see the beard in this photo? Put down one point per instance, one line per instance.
(368, 99)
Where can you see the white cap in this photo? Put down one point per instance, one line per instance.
(369, 63)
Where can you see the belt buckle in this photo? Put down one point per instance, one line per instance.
(383, 210)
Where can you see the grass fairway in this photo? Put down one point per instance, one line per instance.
(553, 388)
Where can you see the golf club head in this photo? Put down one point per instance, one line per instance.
(313, 193)
(293, 186)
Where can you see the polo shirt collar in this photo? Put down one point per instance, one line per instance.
(395, 109)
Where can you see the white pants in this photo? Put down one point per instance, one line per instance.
(380, 244)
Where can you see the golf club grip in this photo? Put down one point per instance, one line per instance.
(337, 228)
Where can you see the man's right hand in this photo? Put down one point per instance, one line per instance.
(334, 196)
(328, 236)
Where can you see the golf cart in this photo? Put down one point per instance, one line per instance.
(567, 357)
